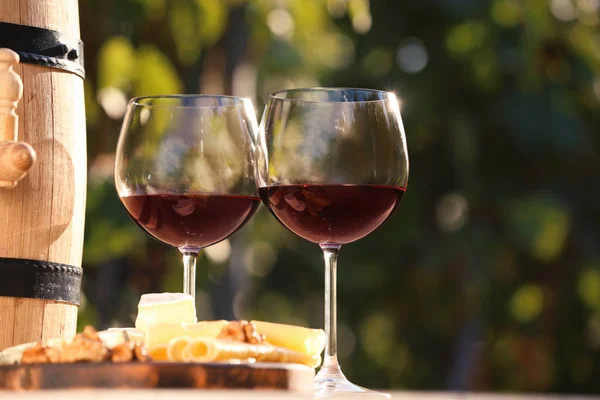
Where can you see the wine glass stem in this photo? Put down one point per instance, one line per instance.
(330, 253)
(189, 272)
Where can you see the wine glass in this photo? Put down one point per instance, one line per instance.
(184, 170)
(332, 166)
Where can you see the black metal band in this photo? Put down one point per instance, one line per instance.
(40, 280)
(43, 47)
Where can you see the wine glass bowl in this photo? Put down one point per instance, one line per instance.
(332, 166)
(184, 170)
(327, 135)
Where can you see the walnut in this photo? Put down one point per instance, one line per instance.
(85, 347)
(252, 335)
(89, 332)
(141, 353)
(34, 355)
(233, 331)
(241, 331)
(53, 355)
(121, 353)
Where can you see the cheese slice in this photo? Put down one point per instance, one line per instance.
(161, 334)
(158, 353)
(155, 308)
(176, 348)
(296, 338)
(220, 350)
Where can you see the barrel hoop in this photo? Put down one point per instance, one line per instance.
(37, 279)
(43, 47)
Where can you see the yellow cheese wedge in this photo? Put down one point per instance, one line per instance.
(210, 350)
(296, 338)
(155, 308)
(161, 334)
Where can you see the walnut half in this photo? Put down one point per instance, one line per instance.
(241, 331)
(121, 353)
(35, 355)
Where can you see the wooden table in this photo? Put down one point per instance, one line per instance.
(243, 394)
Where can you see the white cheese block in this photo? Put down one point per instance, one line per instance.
(155, 308)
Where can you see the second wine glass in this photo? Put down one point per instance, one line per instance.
(332, 166)
(184, 170)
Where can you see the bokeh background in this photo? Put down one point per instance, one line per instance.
(488, 276)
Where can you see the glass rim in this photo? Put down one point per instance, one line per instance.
(234, 101)
(387, 95)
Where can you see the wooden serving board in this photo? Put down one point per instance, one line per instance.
(288, 377)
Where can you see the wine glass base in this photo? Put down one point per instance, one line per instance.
(341, 387)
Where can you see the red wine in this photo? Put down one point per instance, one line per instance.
(332, 213)
(192, 220)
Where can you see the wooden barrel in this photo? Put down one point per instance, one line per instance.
(42, 218)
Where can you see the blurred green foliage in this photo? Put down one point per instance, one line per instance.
(486, 279)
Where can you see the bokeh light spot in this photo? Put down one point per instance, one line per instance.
(362, 22)
(593, 331)
(452, 212)
(281, 23)
(336, 51)
(412, 55)
(597, 88)
(360, 13)
(260, 258)
(466, 37)
(527, 303)
(589, 287)
(563, 10)
(506, 13)
(219, 253)
(377, 335)
(337, 8)
(377, 63)
(113, 101)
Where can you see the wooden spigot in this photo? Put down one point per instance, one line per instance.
(16, 158)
